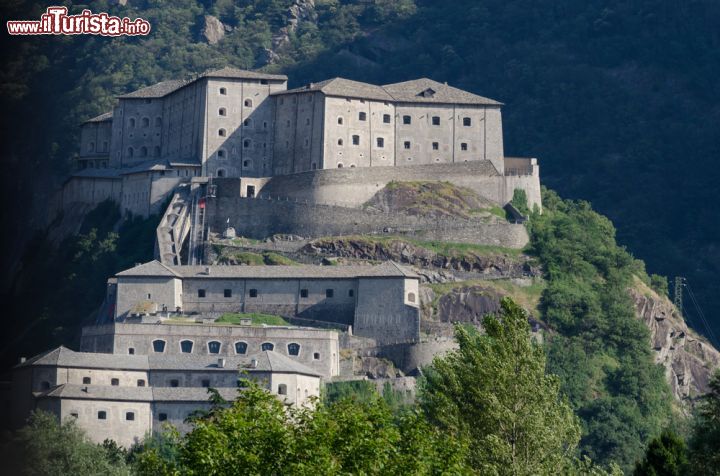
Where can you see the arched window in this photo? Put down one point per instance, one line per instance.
(222, 132)
(221, 153)
(158, 121)
(132, 122)
(340, 120)
(282, 389)
(248, 103)
(362, 116)
(186, 346)
(411, 297)
(463, 146)
(246, 144)
(143, 151)
(247, 163)
(352, 166)
(340, 165)
(340, 142)
(130, 152)
(247, 122)
(222, 111)
(214, 347)
(159, 346)
(267, 346)
(221, 172)
(146, 122)
(241, 347)
(293, 349)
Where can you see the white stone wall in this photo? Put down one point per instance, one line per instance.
(136, 131)
(115, 426)
(91, 191)
(157, 290)
(95, 138)
(299, 388)
(183, 113)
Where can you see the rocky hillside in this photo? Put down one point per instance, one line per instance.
(688, 358)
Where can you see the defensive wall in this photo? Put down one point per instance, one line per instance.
(355, 186)
(259, 218)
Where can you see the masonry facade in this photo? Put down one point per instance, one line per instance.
(381, 301)
(236, 123)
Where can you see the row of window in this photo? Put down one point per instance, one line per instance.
(214, 347)
(102, 415)
(362, 116)
(253, 293)
(223, 91)
(143, 151)
(114, 382)
(91, 147)
(380, 143)
(145, 122)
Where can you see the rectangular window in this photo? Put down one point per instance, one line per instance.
(227, 293)
(386, 118)
(356, 140)
(115, 382)
(407, 120)
(102, 415)
(174, 383)
(406, 144)
(467, 122)
(253, 293)
(329, 293)
(303, 293)
(130, 416)
(380, 142)
(436, 120)
(436, 146)
(162, 416)
(463, 146)
(201, 293)
(206, 383)
(351, 292)
(362, 116)
(140, 382)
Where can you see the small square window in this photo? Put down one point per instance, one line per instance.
(206, 383)
(467, 122)
(435, 146)
(303, 293)
(406, 144)
(115, 382)
(162, 416)
(75, 414)
(407, 120)
(436, 120)
(463, 146)
(386, 118)
(201, 293)
(140, 382)
(131, 351)
(87, 381)
(362, 116)
(223, 91)
(174, 383)
(316, 356)
(130, 416)
(356, 140)
(253, 293)
(351, 292)
(329, 293)
(102, 415)
(227, 293)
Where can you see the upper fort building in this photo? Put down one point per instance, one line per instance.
(235, 123)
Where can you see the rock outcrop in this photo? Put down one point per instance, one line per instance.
(689, 360)
(299, 11)
(489, 264)
(213, 30)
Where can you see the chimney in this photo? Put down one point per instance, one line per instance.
(221, 363)
(253, 364)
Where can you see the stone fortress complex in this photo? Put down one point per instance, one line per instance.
(237, 152)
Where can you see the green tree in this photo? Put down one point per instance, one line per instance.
(704, 440)
(494, 393)
(666, 455)
(49, 448)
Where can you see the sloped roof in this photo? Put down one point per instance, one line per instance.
(412, 91)
(157, 90)
(163, 88)
(229, 72)
(151, 268)
(384, 270)
(108, 173)
(266, 361)
(104, 117)
(344, 88)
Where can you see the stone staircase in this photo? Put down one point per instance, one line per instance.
(174, 227)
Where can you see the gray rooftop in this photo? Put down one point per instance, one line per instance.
(266, 361)
(387, 269)
(135, 394)
(104, 117)
(421, 90)
(343, 87)
(164, 88)
(108, 173)
(426, 90)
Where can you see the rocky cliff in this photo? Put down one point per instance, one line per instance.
(689, 359)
